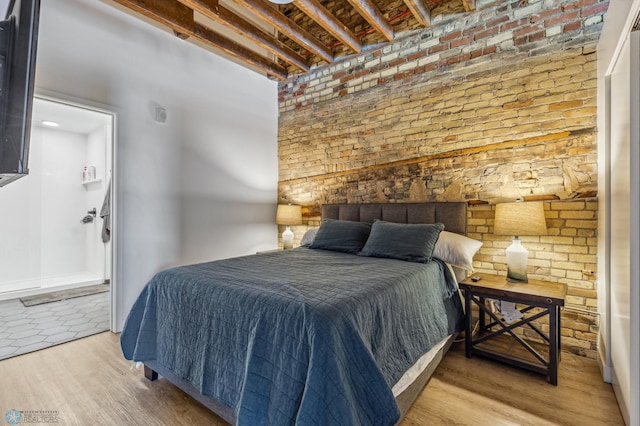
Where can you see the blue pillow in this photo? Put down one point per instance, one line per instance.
(411, 242)
(341, 235)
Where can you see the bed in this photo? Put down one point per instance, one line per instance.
(304, 336)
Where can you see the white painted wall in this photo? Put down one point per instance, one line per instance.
(175, 196)
(20, 226)
(217, 177)
(619, 192)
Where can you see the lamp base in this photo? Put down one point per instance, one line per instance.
(517, 257)
(287, 238)
(511, 279)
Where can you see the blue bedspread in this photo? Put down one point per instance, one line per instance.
(296, 337)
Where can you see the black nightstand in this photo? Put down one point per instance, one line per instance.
(547, 296)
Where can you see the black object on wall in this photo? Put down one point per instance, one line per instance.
(18, 45)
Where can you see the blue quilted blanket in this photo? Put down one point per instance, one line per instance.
(296, 337)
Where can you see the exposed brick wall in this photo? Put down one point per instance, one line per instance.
(536, 28)
(481, 108)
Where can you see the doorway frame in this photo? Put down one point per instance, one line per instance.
(617, 31)
(52, 96)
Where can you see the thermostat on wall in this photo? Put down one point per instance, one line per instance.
(161, 115)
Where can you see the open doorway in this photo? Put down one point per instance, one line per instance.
(56, 255)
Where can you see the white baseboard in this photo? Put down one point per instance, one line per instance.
(605, 368)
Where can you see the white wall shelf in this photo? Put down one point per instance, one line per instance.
(87, 182)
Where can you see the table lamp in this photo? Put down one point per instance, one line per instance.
(518, 219)
(288, 215)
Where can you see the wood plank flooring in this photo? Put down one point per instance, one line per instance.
(87, 382)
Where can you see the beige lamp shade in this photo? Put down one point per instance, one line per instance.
(288, 215)
(520, 219)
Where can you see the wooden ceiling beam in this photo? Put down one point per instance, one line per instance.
(167, 13)
(212, 10)
(316, 11)
(179, 18)
(469, 5)
(372, 15)
(208, 36)
(288, 27)
(180, 35)
(420, 11)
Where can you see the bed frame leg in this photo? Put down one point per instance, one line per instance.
(150, 374)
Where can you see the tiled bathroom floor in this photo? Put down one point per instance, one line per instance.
(24, 330)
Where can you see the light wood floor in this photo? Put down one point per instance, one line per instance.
(89, 383)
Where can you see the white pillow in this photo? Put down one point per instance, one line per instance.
(459, 273)
(456, 250)
(308, 237)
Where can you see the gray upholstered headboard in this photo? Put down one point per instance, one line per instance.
(452, 215)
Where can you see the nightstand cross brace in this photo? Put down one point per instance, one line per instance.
(510, 328)
(533, 327)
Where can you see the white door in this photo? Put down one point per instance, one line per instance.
(625, 228)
